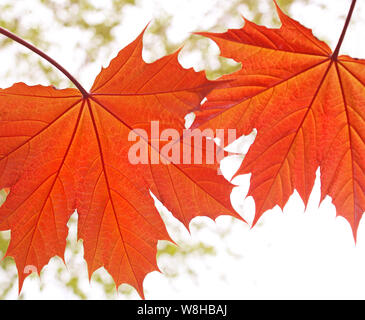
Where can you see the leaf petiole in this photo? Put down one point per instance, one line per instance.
(348, 18)
(31, 47)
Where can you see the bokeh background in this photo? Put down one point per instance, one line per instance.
(292, 255)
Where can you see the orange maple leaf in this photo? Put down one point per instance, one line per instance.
(67, 150)
(307, 105)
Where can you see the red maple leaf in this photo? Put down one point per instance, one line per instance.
(67, 150)
(308, 106)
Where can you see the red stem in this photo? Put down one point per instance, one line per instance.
(337, 50)
(86, 94)
(26, 44)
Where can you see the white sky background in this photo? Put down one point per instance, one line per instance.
(291, 255)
